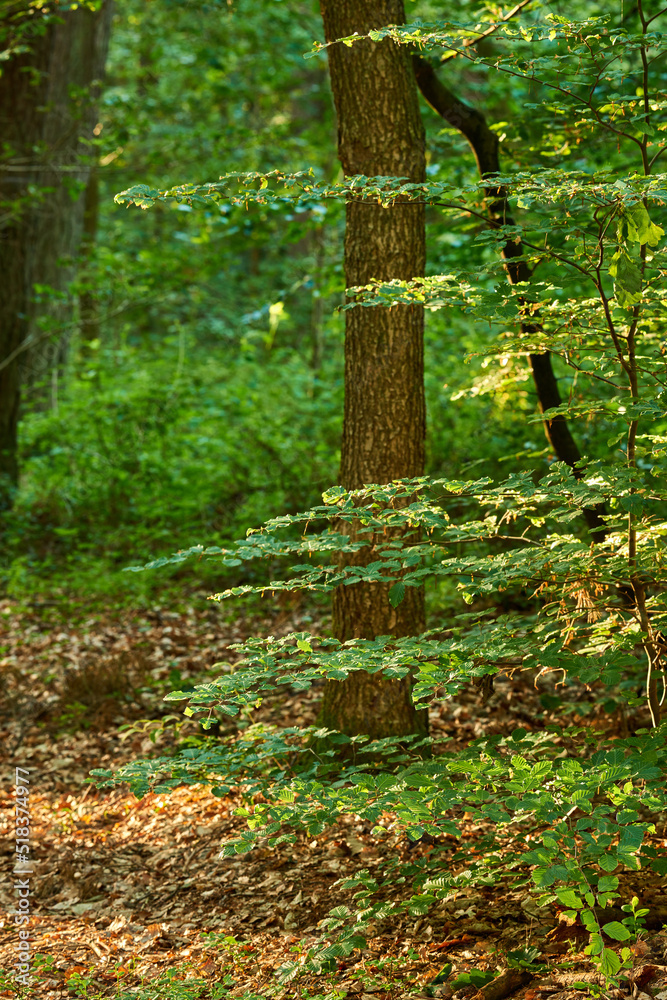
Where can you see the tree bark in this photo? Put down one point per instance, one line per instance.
(46, 115)
(380, 132)
(484, 143)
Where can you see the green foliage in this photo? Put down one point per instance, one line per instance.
(172, 984)
(24, 20)
(234, 412)
(177, 445)
(476, 978)
(215, 355)
(210, 393)
(584, 813)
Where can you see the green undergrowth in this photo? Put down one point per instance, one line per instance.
(142, 452)
(148, 449)
(564, 810)
(184, 981)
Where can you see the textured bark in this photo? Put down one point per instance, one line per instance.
(46, 114)
(379, 133)
(484, 143)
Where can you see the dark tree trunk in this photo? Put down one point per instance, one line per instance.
(380, 132)
(484, 143)
(89, 323)
(46, 114)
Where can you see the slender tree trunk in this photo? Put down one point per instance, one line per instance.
(46, 114)
(89, 323)
(380, 132)
(484, 143)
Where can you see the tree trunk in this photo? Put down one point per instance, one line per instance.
(380, 132)
(46, 114)
(89, 322)
(484, 144)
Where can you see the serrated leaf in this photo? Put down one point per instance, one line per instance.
(639, 226)
(633, 503)
(627, 279)
(569, 898)
(396, 594)
(596, 947)
(616, 930)
(610, 963)
(631, 838)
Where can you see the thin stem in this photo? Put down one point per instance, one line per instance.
(610, 323)
(649, 20)
(492, 224)
(651, 648)
(490, 31)
(654, 158)
(560, 90)
(584, 371)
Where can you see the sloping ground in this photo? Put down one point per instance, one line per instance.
(130, 898)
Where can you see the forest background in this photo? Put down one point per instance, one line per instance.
(180, 375)
(216, 358)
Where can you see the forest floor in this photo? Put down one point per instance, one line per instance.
(130, 898)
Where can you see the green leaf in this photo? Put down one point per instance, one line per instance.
(631, 838)
(616, 930)
(627, 279)
(596, 947)
(639, 226)
(474, 977)
(569, 898)
(396, 594)
(633, 503)
(610, 963)
(443, 975)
